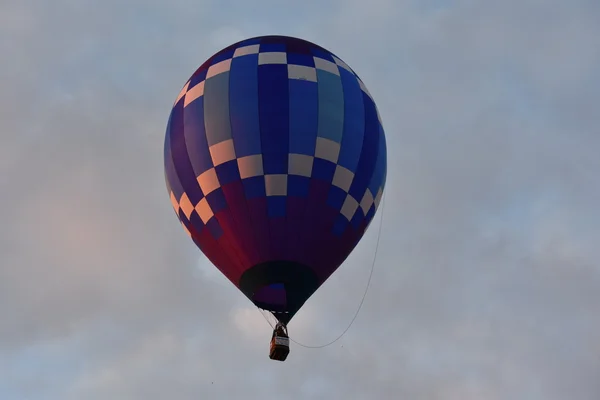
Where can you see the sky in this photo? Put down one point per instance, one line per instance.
(487, 279)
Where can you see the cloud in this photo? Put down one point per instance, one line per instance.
(486, 282)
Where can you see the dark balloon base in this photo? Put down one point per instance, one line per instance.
(298, 283)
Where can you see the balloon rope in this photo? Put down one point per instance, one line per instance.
(363, 297)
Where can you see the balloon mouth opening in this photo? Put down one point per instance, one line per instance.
(273, 295)
(281, 287)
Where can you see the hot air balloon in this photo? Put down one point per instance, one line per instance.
(275, 164)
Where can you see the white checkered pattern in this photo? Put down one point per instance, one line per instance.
(364, 88)
(349, 207)
(276, 185)
(326, 65)
(218, 68)
(300, 72)
(186, 205)
(327, 149)
(342, 64)
(367, 201)
(208, 181)
(222, 152)
(194, 93)
(175, 203)
(378, 197)
(204, 211)
(246, 50)
(183, 92)
(272, 58)
(300, 164)
(343, 178)
(252, 166)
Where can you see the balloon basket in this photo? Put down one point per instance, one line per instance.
(280, 344)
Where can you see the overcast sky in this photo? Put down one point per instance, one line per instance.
(487, 282)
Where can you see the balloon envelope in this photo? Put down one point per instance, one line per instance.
(275, 163)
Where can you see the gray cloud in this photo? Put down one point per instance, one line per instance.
(487, 279)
